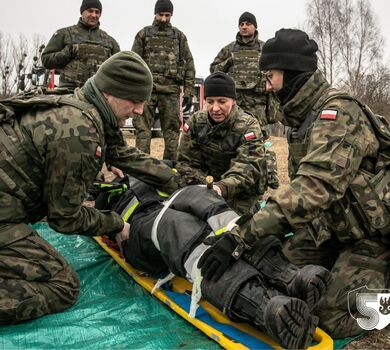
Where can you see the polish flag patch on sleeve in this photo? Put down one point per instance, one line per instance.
(98, 152)
(328, 114)
(250, 135)
(186, 127)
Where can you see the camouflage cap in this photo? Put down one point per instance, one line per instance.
(125, 75)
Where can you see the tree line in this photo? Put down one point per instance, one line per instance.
(351, 49)
(350, 52)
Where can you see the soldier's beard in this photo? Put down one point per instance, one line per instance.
(162, 25)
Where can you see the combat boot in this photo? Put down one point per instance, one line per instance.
(287, 320)
(308, 283)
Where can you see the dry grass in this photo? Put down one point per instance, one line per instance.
(373, 339)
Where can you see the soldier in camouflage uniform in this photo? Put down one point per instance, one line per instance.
(337, 200)
(240, 59)
(227, 143)
(78, 51)
(165, 50)
(52, 147)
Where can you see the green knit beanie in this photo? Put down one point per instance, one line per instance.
(125, 75)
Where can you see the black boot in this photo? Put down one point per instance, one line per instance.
(287, 320)
(308, 283)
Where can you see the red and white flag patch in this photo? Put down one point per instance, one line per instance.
(328, 114)
(186, 127)
(98, 152)
(250, 135)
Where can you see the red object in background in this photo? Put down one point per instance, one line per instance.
(51, 84)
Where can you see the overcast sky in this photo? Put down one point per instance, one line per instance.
(208, 24)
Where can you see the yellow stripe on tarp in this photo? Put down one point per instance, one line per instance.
(180, 285)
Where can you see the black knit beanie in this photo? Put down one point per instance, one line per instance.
(247, 17)
(90, 4)
(219, 84)
(163, 6)
(290, 49)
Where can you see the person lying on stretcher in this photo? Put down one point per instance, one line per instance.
(171, 236)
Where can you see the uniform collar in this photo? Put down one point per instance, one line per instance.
(251, 42)
(296, 110)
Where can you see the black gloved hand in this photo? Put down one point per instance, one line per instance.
(187, 103)
(216, 260)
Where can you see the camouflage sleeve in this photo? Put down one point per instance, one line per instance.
(142, 166)
(223, 61)
(189, 68)
(71, 166)
(248, 166)
(115, 46)
(57, 53)
(336, 149)
(189, 155)
(138, 45)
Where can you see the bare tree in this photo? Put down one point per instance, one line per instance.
(360, 43)
(18, 58)
(6, 65)
(350, 48)
(20, 61)
(322, 15)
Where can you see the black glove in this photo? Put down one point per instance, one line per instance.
(216, 260)
(187, 103)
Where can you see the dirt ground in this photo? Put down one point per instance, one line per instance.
(373, 339)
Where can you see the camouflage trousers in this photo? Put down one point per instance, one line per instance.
(35, 280)
(364, 263)
(168, 113)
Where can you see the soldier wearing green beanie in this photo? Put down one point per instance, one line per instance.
(72, 135)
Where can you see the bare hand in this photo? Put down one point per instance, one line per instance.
(123, 235)
(117, 172)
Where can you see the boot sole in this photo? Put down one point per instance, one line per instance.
(316, 285)
(289, 322)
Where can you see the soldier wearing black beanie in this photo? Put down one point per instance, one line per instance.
(294, 53)
(90, 4)
(219, 84)
(163, 6)
(248, 17)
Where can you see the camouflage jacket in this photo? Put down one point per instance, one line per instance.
(328, 147)
(240, 60)
(232, 152)
(77, 51)
(166, 51)
(50, 156)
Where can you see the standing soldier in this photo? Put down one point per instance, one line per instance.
(165, 49)
(337, 201)
(240, 59)
(78, 51)
(52, 147)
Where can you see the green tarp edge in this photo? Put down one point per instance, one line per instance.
(112, 312)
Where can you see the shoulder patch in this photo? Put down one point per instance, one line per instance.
(98, 152)
(328, 114)
(186, 127)
(250, 135)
